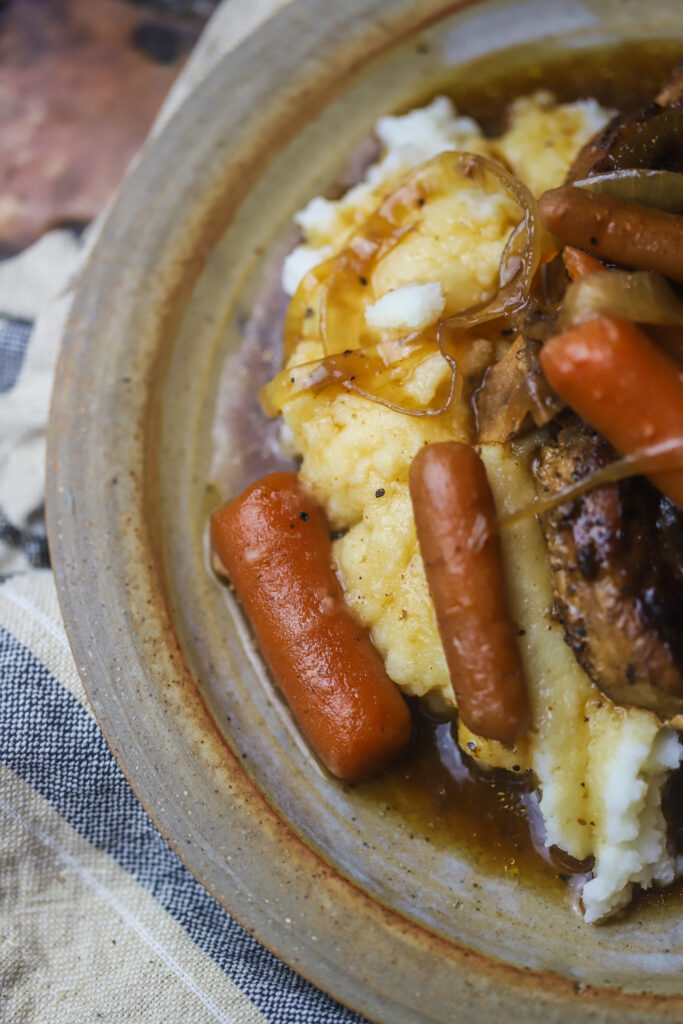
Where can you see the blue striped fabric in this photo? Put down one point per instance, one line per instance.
(14, 335)
(50, 741)
(28, 536)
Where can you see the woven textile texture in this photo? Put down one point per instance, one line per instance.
(99, 920)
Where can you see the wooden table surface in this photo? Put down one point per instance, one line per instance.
(80, 84)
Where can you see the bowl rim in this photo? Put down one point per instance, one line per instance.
(85, 428)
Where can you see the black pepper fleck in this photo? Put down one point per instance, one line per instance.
(379, 493)
(303, 516)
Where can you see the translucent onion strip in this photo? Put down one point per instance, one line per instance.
(639, 296)
(330, 303)
(656, 458)
(377, 372)
(527, 247)
(660, 189)
(342, 303)
(303, 312)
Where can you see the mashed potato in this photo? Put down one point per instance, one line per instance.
(600, 767)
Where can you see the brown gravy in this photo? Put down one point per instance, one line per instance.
(447, 801)
(624, 76)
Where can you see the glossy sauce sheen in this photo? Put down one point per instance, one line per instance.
(624, 77)
(453, 805)
(446, 801)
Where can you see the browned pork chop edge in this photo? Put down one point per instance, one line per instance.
(651, 137)
(617, 561)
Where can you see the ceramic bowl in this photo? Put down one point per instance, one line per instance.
(346, 890)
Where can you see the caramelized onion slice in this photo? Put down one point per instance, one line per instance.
(303, 311)
(331, 300)
(342, 315)
(656, 458)
(377, 372)
(639, 296)
(514, 393)
(660, 189)
(527, 247)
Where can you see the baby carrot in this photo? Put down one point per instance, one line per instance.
(615, 230)
(579, 263)
(624, 385)
(274, 543)
(456, 527)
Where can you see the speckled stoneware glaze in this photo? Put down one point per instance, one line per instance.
(399, 928)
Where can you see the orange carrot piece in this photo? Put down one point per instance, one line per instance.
(618, 231)
(580, 263)
(456, 526)
(274, 542)
(624, 385)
